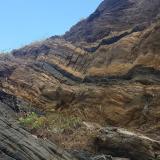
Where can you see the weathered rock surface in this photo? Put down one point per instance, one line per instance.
(83, 155)
(114, 16)
(103, 70)
(18, 144)
(117, 141)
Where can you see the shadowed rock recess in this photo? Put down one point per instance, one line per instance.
(94, 92)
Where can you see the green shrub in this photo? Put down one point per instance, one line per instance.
(33, 121)
(56, 122)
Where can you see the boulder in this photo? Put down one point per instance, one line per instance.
(122, 143)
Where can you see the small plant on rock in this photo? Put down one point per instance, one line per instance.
(33, 121)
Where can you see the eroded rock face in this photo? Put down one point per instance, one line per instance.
(18, 144)
(117, 141)
(62, 97)
(111, 16)
(103, 71)
(83, 155)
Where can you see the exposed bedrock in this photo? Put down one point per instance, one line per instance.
(123, 143)
(18, 144)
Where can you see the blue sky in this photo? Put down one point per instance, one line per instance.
(25, 21)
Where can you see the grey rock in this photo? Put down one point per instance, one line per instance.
(102, 157)
(122, 143)
(18, 144)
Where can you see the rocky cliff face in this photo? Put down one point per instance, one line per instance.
(17, 143)
(103, 72)
(114, 16)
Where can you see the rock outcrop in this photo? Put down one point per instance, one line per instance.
(114, 16)
(18, 144)
(105, 70)
(117, 141)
